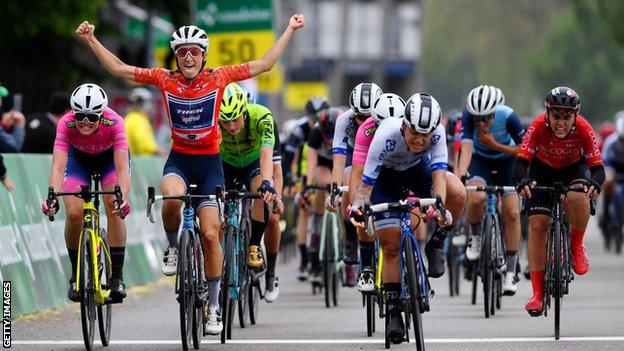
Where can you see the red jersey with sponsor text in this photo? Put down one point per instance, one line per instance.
(539, 141)
(193, 106)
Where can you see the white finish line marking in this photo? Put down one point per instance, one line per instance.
(328, 341)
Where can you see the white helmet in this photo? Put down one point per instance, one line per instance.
(501, 96)
(89, 98)
(189, 35)
(363, 96)
(423, 113)
(619, 124)
(139, 94)
(483, 100)
(288, 127)
(388, 105)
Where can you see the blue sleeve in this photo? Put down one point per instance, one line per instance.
(514, 127)
(12, 141)
(467, 126)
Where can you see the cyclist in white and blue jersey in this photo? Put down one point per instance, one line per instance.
(491, 137)
(613, 159)
(408, 153)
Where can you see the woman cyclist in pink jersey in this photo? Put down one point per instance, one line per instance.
(91, 138)
(192, 96)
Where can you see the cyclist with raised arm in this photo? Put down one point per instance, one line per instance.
(91, 139)
(247, 152)
(295, 144)
(491, 137)
(386, 106)
(409, 153)
(559, 146)
(613, 159)
(361, 102)
(192, 95)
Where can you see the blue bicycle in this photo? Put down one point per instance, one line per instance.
(190, 272)
(415, 287)
(492, 259)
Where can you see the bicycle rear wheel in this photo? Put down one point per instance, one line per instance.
(186, 299)
(369, 303)
(414, 293)
(474, 280)
(86, 287)
(328, 267)
(105, 312)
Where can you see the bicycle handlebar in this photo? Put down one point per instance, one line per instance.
(560, 189)
(404, 206)
(491, 188)
(86, 194)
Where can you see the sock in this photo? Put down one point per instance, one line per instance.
(172, 237)
(537, 282)
(117, 261)
(350, 231)
(214, 285)
(475, 228)
(512, 259)
(303, 251)
(257, 230)
(271, 258)
(366, 254)
(393, 291)
(576, 237)
(73, 258)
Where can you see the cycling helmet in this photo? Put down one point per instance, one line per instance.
(189, 35)
(363, 96)
(619, 124)
(422, 113)
(233, 102)
(315, 105)
(483, 100)
(608, 128)
(89, 98)
(388, 105)
(562, 98)
(251, 99)
(288, 127)
(327, 121)
(139, 94)
(501, 96)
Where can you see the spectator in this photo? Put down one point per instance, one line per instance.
(139, 131)
(41, 127)
(12, 124)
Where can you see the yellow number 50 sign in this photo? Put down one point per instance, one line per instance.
(238, 47)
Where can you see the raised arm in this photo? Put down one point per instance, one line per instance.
(86, 32)
(268, 60)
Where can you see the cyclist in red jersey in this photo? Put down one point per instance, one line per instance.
(192, 96)
(559, 146)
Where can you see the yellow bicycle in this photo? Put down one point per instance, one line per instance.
(94, 267)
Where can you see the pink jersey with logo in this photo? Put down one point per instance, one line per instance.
(110, 133)
(363, 140)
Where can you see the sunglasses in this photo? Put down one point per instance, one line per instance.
(485, 118)
(182, 52)
(91, 117)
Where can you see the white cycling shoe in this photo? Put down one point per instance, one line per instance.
(271, 294)
(170, 261)
(473, 250)
(214, 326)
(365, 281)
(509, 284)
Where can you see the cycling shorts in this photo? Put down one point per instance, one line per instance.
(245, 174)
(205, 171)
(390, 184)
(540, 201)
(80, 167)
(492, 171)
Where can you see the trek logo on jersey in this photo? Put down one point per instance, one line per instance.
(192, 114)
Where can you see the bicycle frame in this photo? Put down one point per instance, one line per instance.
(234, 208)
(408, 234)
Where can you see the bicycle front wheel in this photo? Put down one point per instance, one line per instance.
(86, 287)
(185, 279)
(104, 312)
(225, 282)
(558, 257)
(414, 293)
(487, 267)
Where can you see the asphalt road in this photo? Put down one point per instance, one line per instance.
(592, 319)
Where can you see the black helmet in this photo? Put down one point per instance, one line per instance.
(562, 98)
(327, 121)
(315, 105)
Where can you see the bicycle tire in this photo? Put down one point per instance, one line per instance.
(327, 265)
(198, 308)
(559, 255)
(104, 312)
(486, 266)
(87, 290)
(474, 280)
(450, 262)
(254, 302)
(244, 277)
(387, 339)
(413, 286)
(370, 314)
(186, 302)
(225, 282)
(230, 319)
